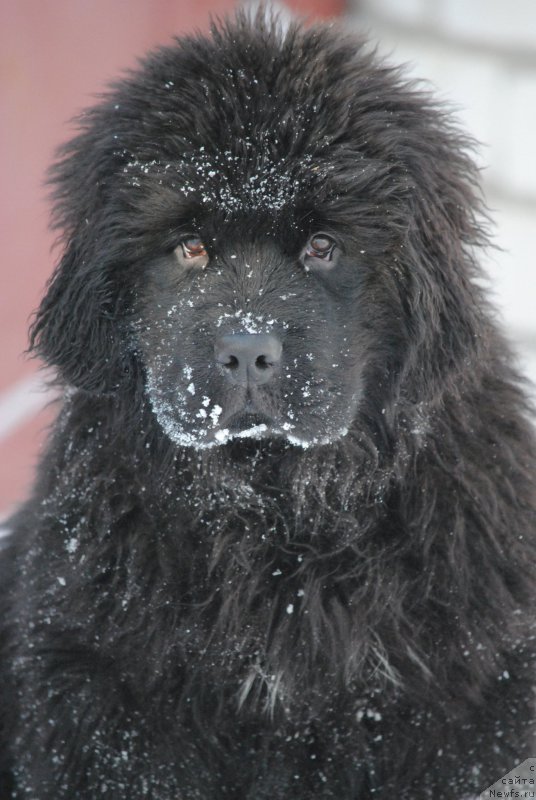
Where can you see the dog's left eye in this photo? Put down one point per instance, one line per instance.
(192, 250)
(320, 247)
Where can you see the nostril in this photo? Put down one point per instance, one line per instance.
(231, 363)
(263, 363)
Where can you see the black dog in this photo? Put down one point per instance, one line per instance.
(282, 542)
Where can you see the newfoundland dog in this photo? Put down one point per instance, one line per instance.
(281, 544)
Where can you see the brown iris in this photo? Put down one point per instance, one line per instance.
(191, 252)
(320, 246)
(193, 247)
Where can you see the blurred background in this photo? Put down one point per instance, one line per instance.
(55, 55)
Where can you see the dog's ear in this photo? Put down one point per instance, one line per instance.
(80, 327)
(445, 303)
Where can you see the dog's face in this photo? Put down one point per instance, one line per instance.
(270, 230)
(249, 321)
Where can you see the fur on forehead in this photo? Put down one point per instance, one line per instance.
(236, 85)
(232, 93)
(220, 115)
(229, 181)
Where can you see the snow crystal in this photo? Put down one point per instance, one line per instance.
(72, 545)
(222, 436)
(215, 414)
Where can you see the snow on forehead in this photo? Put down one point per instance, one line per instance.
(232, 181)
(266, 185)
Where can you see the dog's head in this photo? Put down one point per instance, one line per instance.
(273, 229)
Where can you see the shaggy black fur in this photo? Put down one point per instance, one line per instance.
(337, 605)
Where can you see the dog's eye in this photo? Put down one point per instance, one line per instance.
(320, 247)
(193, 247)
(193, 250)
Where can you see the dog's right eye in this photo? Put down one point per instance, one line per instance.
(192, 251)
(321, 250)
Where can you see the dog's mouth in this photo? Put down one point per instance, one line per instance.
(245, 424)
(242, 421)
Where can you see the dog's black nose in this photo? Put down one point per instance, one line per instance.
(248, 358)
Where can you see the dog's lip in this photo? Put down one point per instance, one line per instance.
(244, 424)
(247, 419)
